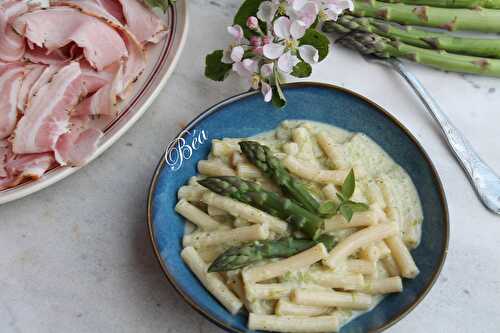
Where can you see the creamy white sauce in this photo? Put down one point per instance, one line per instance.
(379, 169)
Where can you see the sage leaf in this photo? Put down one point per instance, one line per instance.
(346, 212)
(328, 208)
(357, 207)
(349, 185)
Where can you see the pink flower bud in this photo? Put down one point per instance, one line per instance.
(266, 40)
(255, 41)
(252, 23)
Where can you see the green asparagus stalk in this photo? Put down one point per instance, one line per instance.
(262, 157)
(270, 202)
(369, 43)
(485, 20)
(246, 254)
(473, 4)
(417, 37)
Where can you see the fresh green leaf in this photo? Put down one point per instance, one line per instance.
(302, 69)
(215, 69)
(340, 196)
(318, 40)
(349, 185)
(248, 8)
(279, 99)
(357, 207)
(162, 4)
(346, 212)
(328, 241)
(328, 208)
(315, 23)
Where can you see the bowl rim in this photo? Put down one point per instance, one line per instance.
(214, 108)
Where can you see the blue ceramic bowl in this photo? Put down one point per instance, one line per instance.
(247, 114)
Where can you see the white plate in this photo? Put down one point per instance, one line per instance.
(162, 59)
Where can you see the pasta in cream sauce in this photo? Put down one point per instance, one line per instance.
(315, 290)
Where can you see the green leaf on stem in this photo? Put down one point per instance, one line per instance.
(278, 99)
(349, 185)
(162, 4)
(346, 212)
(248, 8)
(328, 208)
(215, 69)
(346, 207)
(357, 207)
(318, 40)
(302, 69)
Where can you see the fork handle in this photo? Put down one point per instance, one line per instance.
(481, 176)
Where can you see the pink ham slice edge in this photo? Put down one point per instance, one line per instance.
(102, 45)
(135, 63)
(11, 44)
(34, 72)
(142, 22)
(39, 55)
(47, 117)
(10, 84)
(79, 144)
(14, 169)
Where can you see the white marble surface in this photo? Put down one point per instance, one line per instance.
(76, 257)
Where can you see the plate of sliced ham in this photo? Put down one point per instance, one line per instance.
(75, 75)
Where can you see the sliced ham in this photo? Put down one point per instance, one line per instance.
(136, 61)
(11, 44)
(93, 80)
(14, 169)
(146, 26)
(39, 55)
(103, 101)
(113, 7)
(55, 27)
(42, 80)
(10, 84)
(59, 68)
(77, 146)
(33, 73)
(46, 118)
(4, 66)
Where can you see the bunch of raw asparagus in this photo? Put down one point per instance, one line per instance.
(387, 28)
(297, 206)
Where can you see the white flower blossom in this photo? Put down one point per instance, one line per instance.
(279, 49)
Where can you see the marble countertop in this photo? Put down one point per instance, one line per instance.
(76, 257)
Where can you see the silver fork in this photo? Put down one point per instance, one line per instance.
(484, 180)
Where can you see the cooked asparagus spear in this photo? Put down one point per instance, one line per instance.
(246, 254)
(369, 43)
(264, 159)
(482, 47)
(473, 4)
(485, 20)
(253, 194)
